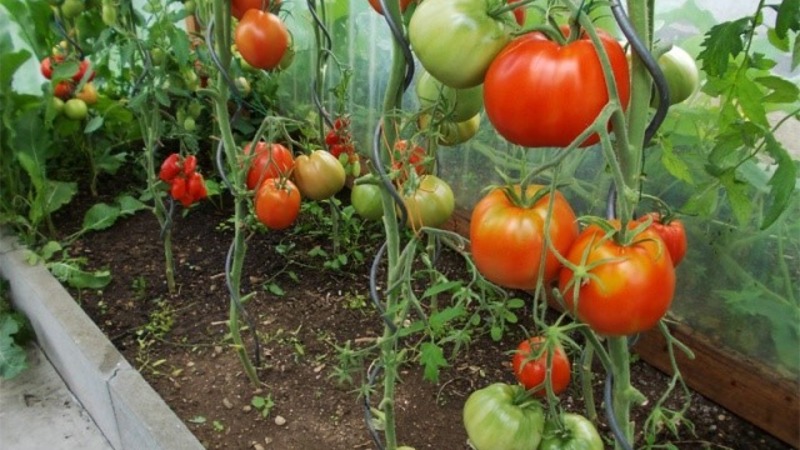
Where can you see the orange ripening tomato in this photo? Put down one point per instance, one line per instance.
(539, 93)
(262, 39)
(508, 240)
(673, 233)
(270, 161)
(629, 287)
(277, 203)
(239, 7)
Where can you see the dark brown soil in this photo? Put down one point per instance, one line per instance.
(180, 343)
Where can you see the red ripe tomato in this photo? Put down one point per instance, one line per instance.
(519, 13)
(629, 287)
(82, 68)
(538, 93)
(179, 191)
(376, 5)
(239, 7)
(189, 165)
(672, 233)
(404, 159)
(63, 89)
(530, 366)
(270, 161)
(196, 187)
(277, 203)
(262, 39)
(170, 168)
(508, 240)
(46, 65)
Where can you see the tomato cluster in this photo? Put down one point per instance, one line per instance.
(74, 105)
(186, 184)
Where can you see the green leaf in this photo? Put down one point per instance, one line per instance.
(100, 217)
(515, 303)
(722, 42)
(788, 18)
(12, 356)
(782, 184)
(439, 319)
(275, 289)
(751, 100)
(674, 165)
(179, 45)
(738, 197)
(781, 44)
(59, 193)
(93, 125)
(33, 18)
(80, 279)
(796, 53)
(783, 91)
(432, 359)
(129, 205)
(49, 249)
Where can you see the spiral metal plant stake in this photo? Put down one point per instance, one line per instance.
(662, 91)
(219, 160)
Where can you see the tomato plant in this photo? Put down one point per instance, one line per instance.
(456, 40)
(575, 432)
(277, 203)
(318, 176)
(261, 38)
(508, 236)
(628, 288)
(530, 366)
(270, 161)
(539, 93)
(456, 105)
(672, 232)
(502, 416)
(431, 204)
(376, 5)
(366, 200)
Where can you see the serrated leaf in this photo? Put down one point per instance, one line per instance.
(751, 101)
(788, 18)
(782, 183)
(415, 327)
(179, 45)
(783, 91)
(674, 165)
(722, 42)
(432, 359)
(738, 198)
(440, 319)
(12, 356)
(100, 217)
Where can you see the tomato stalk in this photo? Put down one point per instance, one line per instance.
(222, 35)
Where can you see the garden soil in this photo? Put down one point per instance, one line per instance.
(180, 341)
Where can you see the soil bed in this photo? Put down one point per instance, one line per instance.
(179, 342)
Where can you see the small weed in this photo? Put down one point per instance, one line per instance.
(263, 404)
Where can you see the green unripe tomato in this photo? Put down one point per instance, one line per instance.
(157, 56)
(190, 6)
(503, 416)
(457, 105)
(680, 70)
(366, 200)
(72, 8)
(578, 433)
(76, 109)
(194, 109)
(189, 124)
(109, 14)
(58, 105)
